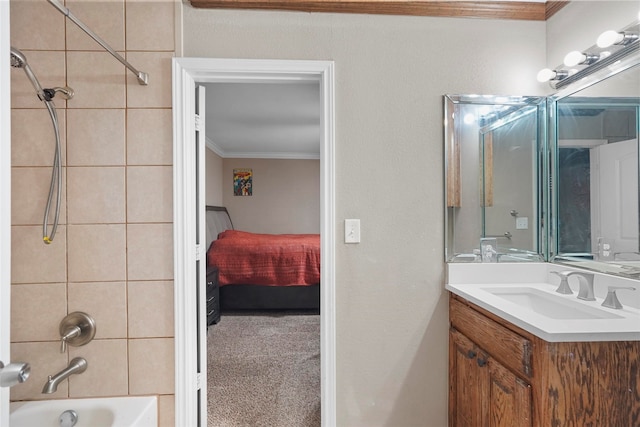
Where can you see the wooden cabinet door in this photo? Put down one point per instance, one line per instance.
(482, 392)
(508, 397)
(466, 383)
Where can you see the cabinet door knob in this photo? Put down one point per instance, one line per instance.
(471, 354)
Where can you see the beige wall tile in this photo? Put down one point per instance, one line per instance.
(33, 139)
(150, 251)
(36, 25)
(158, 92)
(45, 359)
(96, 195)
(166, 411)
(95, 256)
(29, 193)
(97, 253)
(106, 373)
(49, 68)
(98, 80)
(36, 311)
(96, 137)
(106, 303)
(104, 17)
(149, 194)
(150, 25)
(150, 309)
(149, 136)
(32, 261)
(151, 375)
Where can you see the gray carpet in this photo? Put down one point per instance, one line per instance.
(264, 370)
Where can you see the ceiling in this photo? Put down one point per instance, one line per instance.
(264, 120)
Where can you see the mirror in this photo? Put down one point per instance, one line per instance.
(493, 154)
(595, 175)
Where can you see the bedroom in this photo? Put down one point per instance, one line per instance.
(271, 133)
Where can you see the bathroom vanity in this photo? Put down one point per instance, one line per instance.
(521, 354)
(502, 375)
(550, 187)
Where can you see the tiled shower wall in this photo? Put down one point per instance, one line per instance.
(112, 255)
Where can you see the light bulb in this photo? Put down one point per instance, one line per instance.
(574, 58)
(609, 38)
(545, 75)
(469, 118)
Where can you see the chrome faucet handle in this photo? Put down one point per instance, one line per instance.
(72, 332)
(586, 285)
(564, 287)
(612, 301)
(76, 329)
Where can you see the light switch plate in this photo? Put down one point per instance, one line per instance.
(522, 223)
(352, 231)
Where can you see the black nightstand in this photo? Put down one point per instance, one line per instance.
(213, 296)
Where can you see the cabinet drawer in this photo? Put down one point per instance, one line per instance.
(504, 345)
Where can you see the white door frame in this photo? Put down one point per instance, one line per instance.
(5, 203)
(187, 72)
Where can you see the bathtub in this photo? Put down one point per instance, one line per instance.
(131, 411)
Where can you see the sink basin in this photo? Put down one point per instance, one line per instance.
(550, 305)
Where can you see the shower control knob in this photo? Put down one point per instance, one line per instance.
(76, 329)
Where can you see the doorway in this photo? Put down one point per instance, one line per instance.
(190, 349)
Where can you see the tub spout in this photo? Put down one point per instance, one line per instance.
(77, 366)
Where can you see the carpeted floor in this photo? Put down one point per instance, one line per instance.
(264, 370)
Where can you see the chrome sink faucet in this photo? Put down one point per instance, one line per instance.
(77, 366)
(585, 281)
(563, 287)
(612, 301)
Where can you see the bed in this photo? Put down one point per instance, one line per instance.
(261, 271)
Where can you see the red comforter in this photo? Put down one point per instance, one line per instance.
(266, 259)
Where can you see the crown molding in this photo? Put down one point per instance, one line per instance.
(211, 145)
(552, 7)
(522, 10)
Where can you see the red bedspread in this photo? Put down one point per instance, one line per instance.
(266, 259)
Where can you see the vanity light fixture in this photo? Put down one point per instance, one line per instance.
(611, 37)
(611, 47)
(576, 57)
(547, 74)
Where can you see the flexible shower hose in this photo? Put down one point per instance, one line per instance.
(56, 181)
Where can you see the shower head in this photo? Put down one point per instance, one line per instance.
(18, 60)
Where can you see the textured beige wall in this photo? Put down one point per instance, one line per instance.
(113, 253)
(286, 196)
(391, 73)
(213, 177)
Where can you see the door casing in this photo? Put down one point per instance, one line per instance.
(187, 72)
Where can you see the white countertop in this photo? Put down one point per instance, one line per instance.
(624, 327)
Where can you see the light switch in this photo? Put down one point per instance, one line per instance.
(352, 231)
(522, 223)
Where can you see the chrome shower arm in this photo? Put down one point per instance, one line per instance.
(143, 78)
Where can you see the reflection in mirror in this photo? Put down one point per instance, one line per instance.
(596, 175)
(492, 171)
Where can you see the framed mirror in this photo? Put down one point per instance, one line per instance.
(494, 165)
(594, 169)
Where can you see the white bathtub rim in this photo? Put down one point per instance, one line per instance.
(142, 411)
